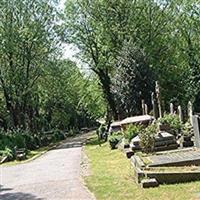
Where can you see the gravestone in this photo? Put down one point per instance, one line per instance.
(171, 108)
(195, 123)
(145, 109)
(158, 99)
(154, 105)
(163, 141)
(180, 114)
(190, 111)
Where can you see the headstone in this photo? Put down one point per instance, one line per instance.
(180, 114)
(195, 123)
(153, 104)
(190, 111)
(145, 109)
(158, 99)
(171, 108)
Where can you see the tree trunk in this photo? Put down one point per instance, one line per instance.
(106, 86)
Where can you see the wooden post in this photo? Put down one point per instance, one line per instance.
(158, 99)
(171, 108)
(180, 114)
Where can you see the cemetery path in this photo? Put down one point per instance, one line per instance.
(53, 176)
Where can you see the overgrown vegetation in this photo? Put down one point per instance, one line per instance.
(173, 121)
(147, 138)
(132, 131)
(114, 139)
(18, 139)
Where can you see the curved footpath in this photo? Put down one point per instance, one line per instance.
(53, 176)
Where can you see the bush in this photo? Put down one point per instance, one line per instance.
(147, 138)
(187, 129)
(19, 141)
(114, 140)
(59, 135)
(132, 131)
(173, 122)
(30, 141)
(7, 153)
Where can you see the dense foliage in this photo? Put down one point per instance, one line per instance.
(165, 31)
(40, 91)
(132, 131)
(147, 138)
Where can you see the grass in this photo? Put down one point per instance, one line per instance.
(112, 178)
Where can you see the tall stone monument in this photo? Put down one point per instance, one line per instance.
(158, 96)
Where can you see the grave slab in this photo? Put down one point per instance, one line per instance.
(179, 158)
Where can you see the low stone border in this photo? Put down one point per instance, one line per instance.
(173, 177)
(162, 177)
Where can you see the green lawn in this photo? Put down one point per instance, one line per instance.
(112, 179)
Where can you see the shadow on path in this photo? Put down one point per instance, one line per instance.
(15, 195)
(18, 196)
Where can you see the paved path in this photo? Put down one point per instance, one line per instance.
(53, 176)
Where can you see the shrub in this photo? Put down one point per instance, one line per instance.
(71, 132)
(30, 141)
(19, 141)
(7, 153)
(147, 138)
(173, 122)
(114, 140)
(132, 131)
(59, 135)
(6, 141)
(187, 129)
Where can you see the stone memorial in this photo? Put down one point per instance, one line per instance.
(158, 99)
(145, 109)
(163, 141)
(190, 111)
(171, 108)
(195, 123)
(155, 114)
(180, 114)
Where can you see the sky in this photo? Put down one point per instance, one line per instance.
(69, 50)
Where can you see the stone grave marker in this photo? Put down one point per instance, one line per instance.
(158, 99)
(145, 109)
(180, 114)
(195, 123)
(153, 105)
(190, 111)
(171, 108)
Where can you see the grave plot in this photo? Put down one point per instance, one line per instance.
(168, 167)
